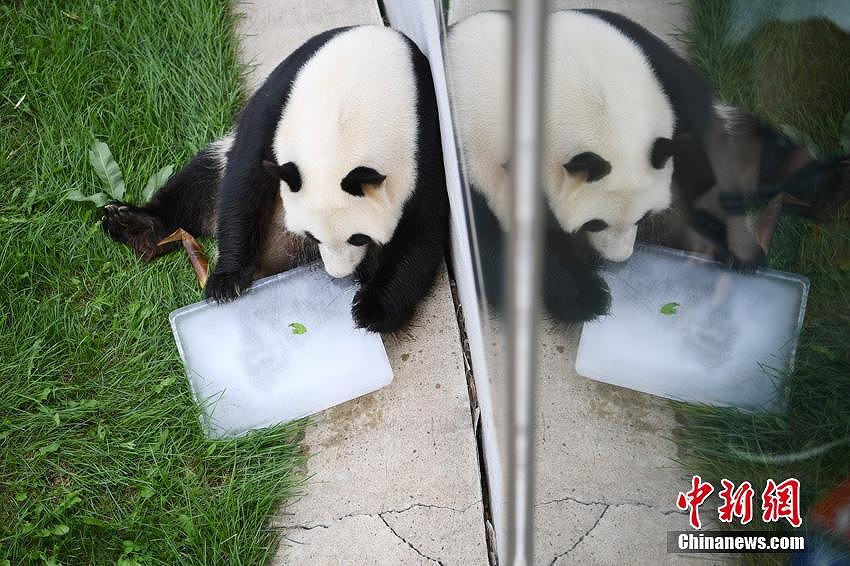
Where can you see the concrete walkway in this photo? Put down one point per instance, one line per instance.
(393, 475)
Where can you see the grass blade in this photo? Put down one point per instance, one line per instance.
(156, 182)
(107, 169)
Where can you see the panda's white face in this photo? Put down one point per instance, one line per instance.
(607, 204)
(343, 227)
(345, 145)
(607, 131)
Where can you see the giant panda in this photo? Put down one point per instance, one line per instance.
(607, 130)
(337, 153)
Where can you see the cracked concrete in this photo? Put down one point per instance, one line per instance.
(419, 552)
(562, 524)
(434, 530)
(597, 442)
(343, 543)
(609, 540)
(443, 544)
(293, 538)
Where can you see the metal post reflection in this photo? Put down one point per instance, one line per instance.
(523, 273)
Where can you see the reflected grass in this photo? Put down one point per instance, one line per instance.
(788, 74)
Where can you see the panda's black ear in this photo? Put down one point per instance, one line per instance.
(589, 163)
(287, 172)
(359, 176)
(662, 150)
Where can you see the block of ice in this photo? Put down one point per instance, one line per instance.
(249, 368)
(686, 328)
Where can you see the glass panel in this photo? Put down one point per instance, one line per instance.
(696, 294)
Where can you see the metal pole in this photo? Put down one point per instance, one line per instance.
(523, 276)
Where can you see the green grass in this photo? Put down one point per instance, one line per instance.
(101, 454)
(797, 75)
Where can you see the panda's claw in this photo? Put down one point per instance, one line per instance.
(226, 286)
(135, 227)
(371, 313)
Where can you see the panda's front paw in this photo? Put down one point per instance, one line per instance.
(756, 261)
(224, 286)
(137, 228)
(375, 315)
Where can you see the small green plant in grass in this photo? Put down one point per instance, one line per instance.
(107, 169)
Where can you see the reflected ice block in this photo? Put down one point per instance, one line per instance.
(726, 340)
(249, 370)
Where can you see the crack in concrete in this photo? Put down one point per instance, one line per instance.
(378, 514)
(308, 527)
(383, 520)
(407, 542)
(581, 538)
(432, 506)
(609, 504)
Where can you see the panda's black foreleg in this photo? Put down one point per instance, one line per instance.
(405, 269)
(188, 201)
(491, 241)
(246, 208)
(573, 290)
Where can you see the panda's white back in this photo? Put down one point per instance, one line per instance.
(479, 70)
(602, 96)
(352, 104)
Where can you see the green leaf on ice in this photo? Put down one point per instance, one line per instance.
(297, 328)
(670, 308)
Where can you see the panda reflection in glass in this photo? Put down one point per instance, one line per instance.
(635, 146)
(337, 154)
(607, 136)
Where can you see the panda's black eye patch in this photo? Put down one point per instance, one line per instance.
(312, 238)
(595, 225)
(359, 240)
(662, 150)
(359, 176)
(590, 164)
